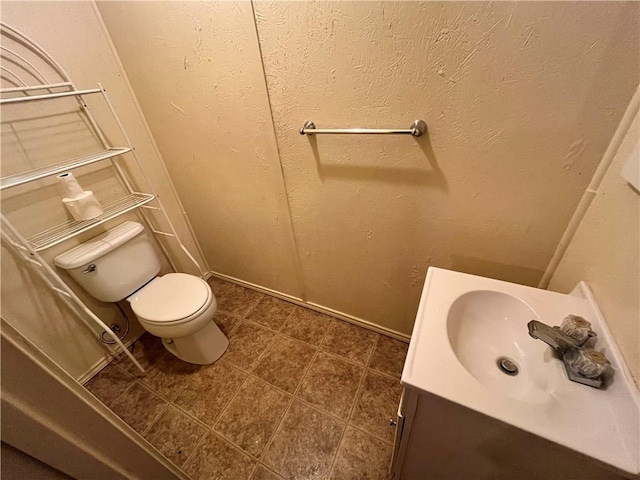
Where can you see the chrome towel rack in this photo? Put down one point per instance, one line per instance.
(417, 128)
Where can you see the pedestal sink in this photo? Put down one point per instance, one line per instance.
(481, 394)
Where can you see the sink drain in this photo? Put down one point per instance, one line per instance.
(507, 366)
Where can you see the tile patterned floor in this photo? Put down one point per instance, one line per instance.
(297, 395)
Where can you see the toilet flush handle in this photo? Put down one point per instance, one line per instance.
(90, 268)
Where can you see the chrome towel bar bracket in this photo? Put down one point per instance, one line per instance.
(418, 128)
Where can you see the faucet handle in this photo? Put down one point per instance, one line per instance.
(577, 328)
(588, 362)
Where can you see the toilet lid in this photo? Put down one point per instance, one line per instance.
(169, 298)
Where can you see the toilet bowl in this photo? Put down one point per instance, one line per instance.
(179, 308)
(176, 307)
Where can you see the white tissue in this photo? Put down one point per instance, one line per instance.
(82, 204)
(69, 186)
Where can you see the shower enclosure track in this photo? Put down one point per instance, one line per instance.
(28, 248)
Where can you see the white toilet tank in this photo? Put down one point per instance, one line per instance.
(113, 265)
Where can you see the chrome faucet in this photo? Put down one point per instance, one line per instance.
(583, 364)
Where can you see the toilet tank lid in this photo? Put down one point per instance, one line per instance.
(98, 246)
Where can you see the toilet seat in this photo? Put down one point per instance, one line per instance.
(171, 299)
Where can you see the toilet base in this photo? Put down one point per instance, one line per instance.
(202, 348)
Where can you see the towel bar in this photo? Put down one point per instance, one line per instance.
(417, 128)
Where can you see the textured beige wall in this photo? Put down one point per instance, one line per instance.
(605, 252)
(72, 33)
(195, 67)
(521, 101)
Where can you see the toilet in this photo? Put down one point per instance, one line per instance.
(122, 263)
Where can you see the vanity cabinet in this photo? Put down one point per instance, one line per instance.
(463, 417)
(441, 440)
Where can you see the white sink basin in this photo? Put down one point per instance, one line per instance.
(485, 326)
(465, 323)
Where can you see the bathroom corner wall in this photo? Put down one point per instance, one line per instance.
(520, 99)
(73, 33)
(605, 252)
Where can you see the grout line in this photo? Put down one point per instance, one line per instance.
(132, 380)
(255, 363)
(289, 315)
(384, 374)
(253, 375)
(279, 329)
(191, 416)
(201, 422)
(164, 397)
(232, 445)
(301, 400)
(252, 307)
(235, 317)
(226, 406)
(258, 457)
(211, 429)
(269, 469)
(315, 355)
(340, 446)
(373, 351)
(293, 398)
(344, 359)
(141, 433)
(154, 421)
(255, 467)
(352, 409)
(326, 334)
(358, 393)
(199, 443)
(365, 432)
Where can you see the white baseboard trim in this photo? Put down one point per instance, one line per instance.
(103, 362)
(314, 306)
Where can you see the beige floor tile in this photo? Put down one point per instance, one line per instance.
(169, 376)
(377, 404)
(216, 459)
(148, 350)
(226, 322)
(238, 300)
(284, 363)
(331, 385)
(246, 344)
(349, 341)
(306, 325)
(109, 384)
(263, 473)
(210, 390)
(253, 416)
(175, 435)
(218, 286)
(388, 356)
(361, 457)
(271, 312)
(138, 407)
(305, 444)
